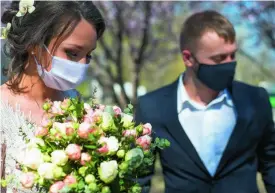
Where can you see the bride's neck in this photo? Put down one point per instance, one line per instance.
(36, 89)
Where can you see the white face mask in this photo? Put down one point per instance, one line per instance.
(64, 74)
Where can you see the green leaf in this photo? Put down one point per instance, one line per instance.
(91, 146)
(127, 111)
(81, 185)
(91, 137)
(130, 106)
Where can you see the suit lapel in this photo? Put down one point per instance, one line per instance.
(245, 111)
(170, 115)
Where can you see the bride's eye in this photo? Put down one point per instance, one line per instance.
(71, 54)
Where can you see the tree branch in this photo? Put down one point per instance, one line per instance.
(259, 66)
(118, 60)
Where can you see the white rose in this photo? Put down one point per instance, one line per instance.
(108, 171)
(127, 120)
(46, 170)
(135, 154)
(33, 158)
(87, 106)
(59, 157)
(35, 142)
(111, 142)
(107, 121)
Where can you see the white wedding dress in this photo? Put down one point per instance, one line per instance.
(12, 122)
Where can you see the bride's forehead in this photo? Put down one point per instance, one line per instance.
(84, 34)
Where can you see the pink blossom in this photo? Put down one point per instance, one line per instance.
(46, 121)
(64, 128)
(144, 141)
(117, 110)
(56, 108)
(130, 132)
(85, 157)
(27, 180)
(70, 179)
(57, 136)
(69, 128)
(103, 149)
(40, 132)
(93, 116)
(101, 107)
(84, 130)
(69, 131)
(110, 144)
(73, 151)
(56, 187)
(65, 104)
(97, 116)
(87, 107)
(147, 129)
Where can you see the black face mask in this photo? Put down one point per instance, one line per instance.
(217, 77)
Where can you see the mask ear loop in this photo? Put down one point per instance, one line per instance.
(197, 62)
(47, 49)
(38, 64)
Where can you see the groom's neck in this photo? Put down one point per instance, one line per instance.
(196, 90)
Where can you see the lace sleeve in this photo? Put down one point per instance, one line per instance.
(13, 127)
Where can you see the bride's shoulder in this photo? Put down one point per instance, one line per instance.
(6, 94)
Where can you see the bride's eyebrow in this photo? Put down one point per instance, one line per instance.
(80, 47)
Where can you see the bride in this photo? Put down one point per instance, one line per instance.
(50, 45)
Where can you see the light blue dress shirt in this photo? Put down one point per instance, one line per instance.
(208, 127)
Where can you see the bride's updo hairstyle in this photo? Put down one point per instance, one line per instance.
(50, 19)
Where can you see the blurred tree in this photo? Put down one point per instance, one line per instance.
(262, 15)
(138, 34)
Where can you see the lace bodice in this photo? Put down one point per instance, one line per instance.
(13, 123)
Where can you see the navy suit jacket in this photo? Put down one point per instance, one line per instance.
(251, 146)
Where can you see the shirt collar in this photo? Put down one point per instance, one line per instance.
(184, 97)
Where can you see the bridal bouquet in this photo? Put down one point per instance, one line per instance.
(88, 148)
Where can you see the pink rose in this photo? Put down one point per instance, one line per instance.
(27, 180)
(85, 157)
(93, 116)
(84, 130)
(109, 144)
(56, 108)
(147, 129)
(64, 128)
(70, 179)
(87, 107)
(117, 110)
(130, 132)
(46, 121)
(144, 141)
(73, 151)
(101, 107)
(56, 187)
(104, 149)
(69, 131)
(40, 132)
(65, 104)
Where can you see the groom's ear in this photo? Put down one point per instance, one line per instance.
(186, 55)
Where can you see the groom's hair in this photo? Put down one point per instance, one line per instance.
(199, 23)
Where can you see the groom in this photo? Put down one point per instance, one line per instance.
(221, 131)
